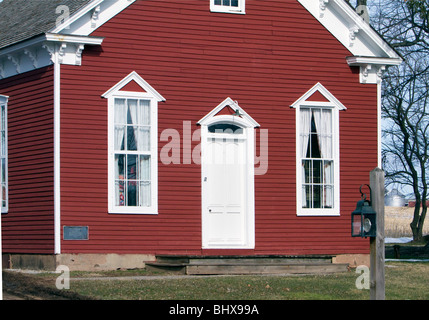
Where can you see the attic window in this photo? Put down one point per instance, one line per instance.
(227, 6)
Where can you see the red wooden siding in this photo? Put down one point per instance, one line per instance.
(28, 227)
(265, 59)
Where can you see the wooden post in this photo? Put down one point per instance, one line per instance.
(377, 283)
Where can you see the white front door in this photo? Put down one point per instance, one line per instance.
(227, 215)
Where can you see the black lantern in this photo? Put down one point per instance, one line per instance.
(364, 218)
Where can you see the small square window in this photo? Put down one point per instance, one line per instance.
(227, 6)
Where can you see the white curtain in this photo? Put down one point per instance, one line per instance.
(145, 181)
(132, 115)
(305, 127)
(120, 121)
(323, 122)
(144, 126)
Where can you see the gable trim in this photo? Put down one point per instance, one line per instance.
(342, 21)
(318, 87)
(228, 102)
(134, 76)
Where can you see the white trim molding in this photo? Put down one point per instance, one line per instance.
(148, 93)
(42, 51)
(368, 49)
(239, 9)
(330, 102)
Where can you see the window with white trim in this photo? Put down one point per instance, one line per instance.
(317, 152)
(317, 158)
(132, 153)
(228, 6)
(4, 155)
(133, 146)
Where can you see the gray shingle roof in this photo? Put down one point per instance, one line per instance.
(23, 19)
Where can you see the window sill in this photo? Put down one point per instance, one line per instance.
(133, 211)
(318, 213)
(220, 10)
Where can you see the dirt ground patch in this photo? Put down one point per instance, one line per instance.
(20, 286)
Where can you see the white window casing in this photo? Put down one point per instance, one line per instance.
(228, 6)
(4, 155)
(133, 148)
(317, 120)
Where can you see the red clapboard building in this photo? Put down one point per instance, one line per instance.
(132, 128)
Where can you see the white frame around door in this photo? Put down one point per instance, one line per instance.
(248, 125)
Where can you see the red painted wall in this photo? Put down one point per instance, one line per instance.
(28, 227)
(265, 60)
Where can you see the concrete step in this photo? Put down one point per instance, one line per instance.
(245, 265)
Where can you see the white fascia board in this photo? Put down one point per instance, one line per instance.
(74, 39)
(66, 24)
(51, 38)
(349, 28)
(90, 17)
(361, 61)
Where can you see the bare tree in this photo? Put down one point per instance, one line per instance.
(406, 134)
(404, 24)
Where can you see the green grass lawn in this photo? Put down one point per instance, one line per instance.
(404, 281)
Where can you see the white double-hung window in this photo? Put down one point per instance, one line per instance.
(133, 160)
(228, 6)
(317, 158)
(317, 153)
(4, 154)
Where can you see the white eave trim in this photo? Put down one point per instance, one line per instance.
(90, 17)
(87, 40)
(51, 37)
(76, 16)
(361, 61)
(342, 21)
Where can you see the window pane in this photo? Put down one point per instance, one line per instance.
(120, 193)
(234, 3)
(119, 166)
(317, 171)
(3, 143)
(145, 195)
(131, 138)
(218, 2)
(317, 196)
(132, 111)
(132, 193)
(144, 139)
(306, 164)
(131, 167)
(120, 111)
(144, 111)
(145, 168)
(328, 172)
(225, 2)
(329, 197)
(307, 201)
(225, 128)
(119, 137)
